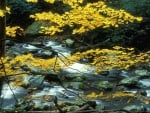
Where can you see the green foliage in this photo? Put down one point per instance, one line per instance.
(20, 11)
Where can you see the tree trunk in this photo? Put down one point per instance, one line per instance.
(2, 29)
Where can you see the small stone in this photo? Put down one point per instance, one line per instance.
(39, 105)
(78, 79)
(44, 54)
(69, 42)
(105, 85)
(37, 43)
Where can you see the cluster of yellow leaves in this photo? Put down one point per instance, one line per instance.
(105, 59)
(12, 66)
(119, 94)
(102, 95)
(50, 1)
(2, 12)
(72, 3)
(35, 1)
(84, 18)
(32, 1)
(12, 31)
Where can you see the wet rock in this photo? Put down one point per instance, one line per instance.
(39, 105)
(69, 42)
(59, 91)
(99, 105)
(34, 70)
(25, 81)
(68, 94)
(145, 83)
(135, 108)
(77, 102)
(84, 60)
(44, 54)
(142, 92)
(142, 72)
(36, 81)
(48, 43)
(130, 81)
(104, 73)
(10, 43)
(9, 94)
(61, 50)
(124, 73)
(75, 85)
(30, 47)
(105, 85)
(42, 100)
(37, 43)
(147, 108)
(148, 93)
(27, 48)
(114, 72)
(24, 104)
(71, 76)
(33, 81)
(13, 111)
(70, 108)
(78, 79)
(16, 50)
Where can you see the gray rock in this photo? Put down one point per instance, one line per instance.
(142, 72)
(130, 81)
(36, 81)
(32, 81)
(135, 108)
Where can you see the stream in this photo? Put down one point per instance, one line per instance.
(120, 91)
